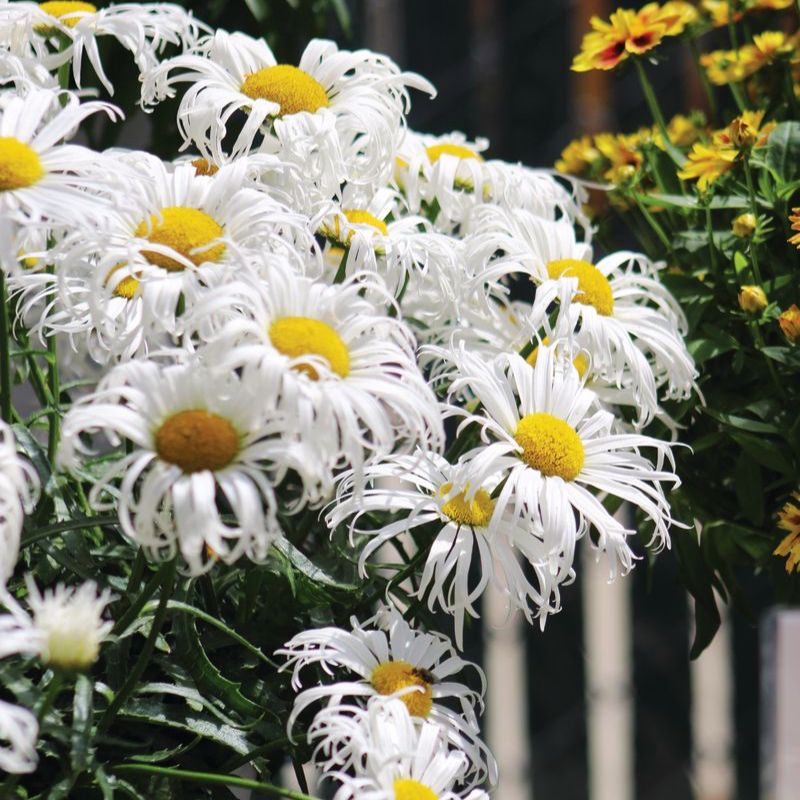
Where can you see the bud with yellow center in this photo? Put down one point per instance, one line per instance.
(744, 226)
(789, 321)
(752, 299)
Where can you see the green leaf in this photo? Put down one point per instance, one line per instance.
(82, 716)
(302, 564)
(208, 679)
(705, 349)
(687, 201)
(693, 241)
(742, 423)
(765, 452)
(258, 8)
(783, 150)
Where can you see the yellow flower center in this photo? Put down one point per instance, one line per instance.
(126, 288)
(392, 676)
(19, 164)
(202, 166)
(59, 9)
(593, 287)
(358, 216)
(436, 151)
(197, 440)
(188, 231)
(291, 88)
(303, 336)
(580, 362)
(409, 789)
(550, 445)
(476, 513)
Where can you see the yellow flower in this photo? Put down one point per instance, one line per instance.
(789, 321)
(752, 299)
(628, 32)
(789, 520)
(707, 162)
(622, 150)
(682, 130)
(730, 66)
(719, 12)
(744, 226)
(578, 156)
(770, 5)
(794, 218)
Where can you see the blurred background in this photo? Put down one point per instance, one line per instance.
(605, 703)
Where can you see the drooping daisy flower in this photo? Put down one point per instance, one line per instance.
(338, 114)
(144, 29)
(392, 756)
(19, 487)
(342, 367)
(426, 490)
(41, 179)
(387, 657)
(447, 176)
(197, 432)
(554, 450)
(124, 283)
(629, 322)
(65, 629)
(19, 731)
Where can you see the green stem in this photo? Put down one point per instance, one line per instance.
(54, 421)
(342, 271)
(712, 249)
(754, 211)
(657, 229)
(773, 373)
(53, 690)
(211, 778)
(167, 575)
(5, 358)
(655, 111)
(138, 604)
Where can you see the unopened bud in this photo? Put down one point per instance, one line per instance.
(743, 135)
(744, 226)
(752, 299)
(789, 321)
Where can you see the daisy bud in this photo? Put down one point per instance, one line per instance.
(789, 321)
(69, 625)
(744, 226)
(752, 299)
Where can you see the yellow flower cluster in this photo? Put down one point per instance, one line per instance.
(709, 160)
(732, 66)
(630, 32)
(721, 12)
(616, 157)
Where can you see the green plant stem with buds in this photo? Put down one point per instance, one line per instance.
(212, 779)
(751, 192)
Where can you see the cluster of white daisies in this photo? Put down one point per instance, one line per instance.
(289, 317)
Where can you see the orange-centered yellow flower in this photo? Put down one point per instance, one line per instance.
(629, 32)
(794, 218)
(789, 520)
(578, 156)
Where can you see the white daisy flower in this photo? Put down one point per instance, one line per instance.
(144, 29)
(65, 629)
(337, 114)
(23, 73)
(198, 433)
(388, 657)
(398, 758)
(41, 179)
(554, 449)
(124, 284)
(427, 491)
(19, 488)
(628, 320)
(19, 731)
(343, 368)
(439, 175)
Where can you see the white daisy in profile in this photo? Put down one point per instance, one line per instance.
(342, 367)
(396, 757)
(125, 283)
(384, 656)
(439, 174)
(19, 731)
(41, 179)
(19, 488)
(628, 320)
(556, 450)
(65, 626)
(338, 114)
(427, 491)
(198, 435)
(144, 29)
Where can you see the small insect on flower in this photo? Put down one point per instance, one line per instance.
(389, 658)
